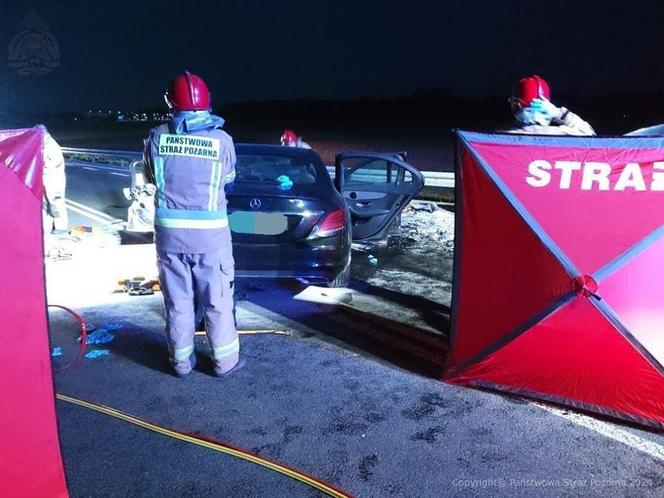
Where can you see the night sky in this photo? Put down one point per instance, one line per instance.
(120, 56)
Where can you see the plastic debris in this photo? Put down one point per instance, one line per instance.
(100, 336)
(363, 246)
(324, 295)
(285, 183)
(373, 260)
(83, 229)
(107, 236)
(56, 352)
(59, 254)
(97, 353)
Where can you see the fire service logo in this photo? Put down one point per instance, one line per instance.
(33, 49)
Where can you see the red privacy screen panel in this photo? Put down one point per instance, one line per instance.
(30, 461)
(559, 271)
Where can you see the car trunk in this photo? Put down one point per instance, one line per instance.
(260, 214)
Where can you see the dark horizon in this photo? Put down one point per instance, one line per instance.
(119, 55)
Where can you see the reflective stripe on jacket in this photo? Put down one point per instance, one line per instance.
(190, 171)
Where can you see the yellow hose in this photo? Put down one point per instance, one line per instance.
(256, 332)
(328, 489)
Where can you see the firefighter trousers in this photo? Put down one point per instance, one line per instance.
(206, 279)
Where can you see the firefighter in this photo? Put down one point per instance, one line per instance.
(55, 183)
(55, 217)
(537, 115)
(191, 160)
(290, 139)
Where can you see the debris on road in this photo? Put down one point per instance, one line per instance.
(139, 286)
(83, 281)
(417, 262)
(58, 254)
(97, 353)
(427, 206)
(82, 230)
(94, 236)
(325, 295)
(363, 246)
(373, 260)
(429, 227)
(100, 336)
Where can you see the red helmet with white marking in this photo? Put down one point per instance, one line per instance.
(187, 92)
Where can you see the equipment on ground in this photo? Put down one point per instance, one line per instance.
(139, 286)
(140, 214)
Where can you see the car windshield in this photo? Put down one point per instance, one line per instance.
(274, 170)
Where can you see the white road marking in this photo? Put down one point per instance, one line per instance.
(92, 213)
(91, 210)
(611, 431)
(88, 215)
(97, 167)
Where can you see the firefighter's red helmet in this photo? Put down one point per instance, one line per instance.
(187, 92)
(529, 88)
(289, 138)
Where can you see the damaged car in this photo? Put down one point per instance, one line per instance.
(290, 219)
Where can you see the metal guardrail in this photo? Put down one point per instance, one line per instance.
(438, 179)
(103, 153)
(436, 184)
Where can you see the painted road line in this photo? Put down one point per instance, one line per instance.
(95, 166)
(101, 168)
(92, 210)
(88, 215)
(611, 431)
(93, 214)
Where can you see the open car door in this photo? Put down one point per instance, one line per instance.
(376, 187)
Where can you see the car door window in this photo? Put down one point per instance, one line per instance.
(376, 188)
(370, 171)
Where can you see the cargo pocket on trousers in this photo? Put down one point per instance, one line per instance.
(227, 282)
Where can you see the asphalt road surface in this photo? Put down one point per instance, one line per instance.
(346, 392)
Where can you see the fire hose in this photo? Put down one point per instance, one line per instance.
(327, 489)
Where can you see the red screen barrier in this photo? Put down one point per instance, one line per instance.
(30, 460)
(559, 271)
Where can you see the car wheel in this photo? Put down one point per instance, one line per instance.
(341, 280)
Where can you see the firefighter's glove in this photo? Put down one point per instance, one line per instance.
(545, 111)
